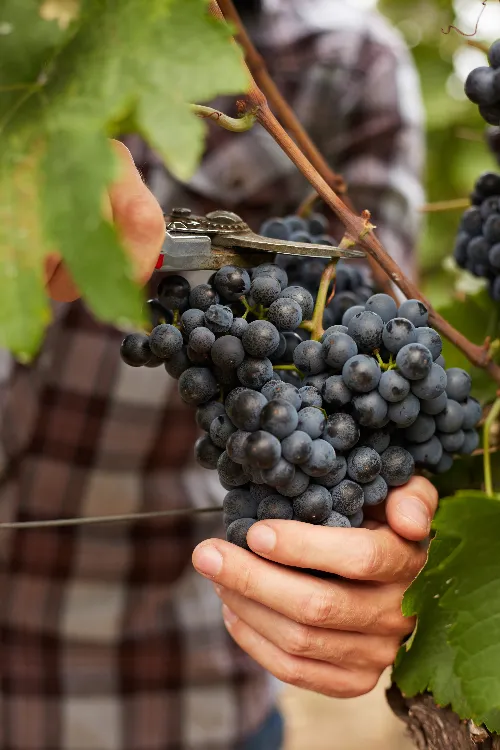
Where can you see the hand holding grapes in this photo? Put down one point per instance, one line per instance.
(334, 636)
(139, 220)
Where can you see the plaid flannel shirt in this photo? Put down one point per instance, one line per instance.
(109, 640)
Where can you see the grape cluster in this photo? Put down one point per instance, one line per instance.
(483, 86)
(351, 287)
(477, 246)
(372, 398)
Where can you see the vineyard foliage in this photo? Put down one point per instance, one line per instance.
(72, 75)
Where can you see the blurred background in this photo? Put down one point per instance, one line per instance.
(456, 155)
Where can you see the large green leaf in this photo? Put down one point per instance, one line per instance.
(455, 651)
(119, 61)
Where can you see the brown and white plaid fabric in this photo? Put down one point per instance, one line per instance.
(109, 640)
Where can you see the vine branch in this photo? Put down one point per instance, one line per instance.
(356, 226)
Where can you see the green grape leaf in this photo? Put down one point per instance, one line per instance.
(75, 74)
(477, 317)
(455, 650)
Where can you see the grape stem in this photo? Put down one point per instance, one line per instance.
(490, 421)
(357, 226)
(384, 366)
(327, 277)
(456, 204)
(234, 124)
(290, 368)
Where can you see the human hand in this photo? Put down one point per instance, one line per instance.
(334, 636)
(139, 220)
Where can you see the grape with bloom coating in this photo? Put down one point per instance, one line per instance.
(366, 329)
(262, 450)
(254, 372)
(363, 465)
(297, 447)
(135, 350)
(260, 339)
(414, 311)
(314, 505)
(165, 340)
(279, 417)
(348, 497)
(393, 387)
(398, 333)
(398, 466)
(308, 358)
(361, 373)
(414, 361)
(383, 305)
(245, 409)
(375, 492)
(227, 352)
(341, 431)
(321, 460)
(312, 421)
(275, 506)
(197, 385)
(237, 531)
(285, 313)
(232, 282)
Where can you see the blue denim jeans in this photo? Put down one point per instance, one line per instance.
(269, 736)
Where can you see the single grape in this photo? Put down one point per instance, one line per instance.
(379, 440)
(231, 473)
(173, 293)
(255, 372)
(333, 329)
(459, 384)
(279, 475)
(235, 446)
(246, 409)
(363, 464)
(479, 85)
(441, 362)
(263, 450)
(285, 313)
(196, 358)
(275, 229)
(335, 392)
(219, 318)
(321, 460)
(393, 387)
(308, 358)
(310, 396)
(444, 464)
(297, 486)
(221, 430)
(272, 270)
(404, 413)
(428, 453)
(232, 282)
(348, 497)
(337, 521)
(265, 290)
(370, 410)
(361, 373)
(260, 491)
(414, 361)
(296, 223)
(366, 329)
(491, 229)
(238, 327)
(201, 340)
(494, 256)
(397, 334)
(432, 386)
(178, 363)
(336, 474)
(206, 413)
(197, 385)
(314, 505)
(350, 313)
(302, 297)
(318, 224)
(356, 520)
(452, 442)
(279, 418)
(317, 381)
(435, 405)
(239, 503)
(206, 453)
(338, 348)
(300, 236)
(451, 418)
(203, 296)
(165, 341)
(135, 350)
(227, 352)
(494, 56)
(398, 466)
(191, 319)
(312, 421)
(431, 339)
(472, 221)
(422, 429)
(471, 442)
(261, 338)
(472, 413)
(383, 305)
(297, 447)
(375, 492)
(275, 506)
(341, 431)
(284, 391)
(237, 531)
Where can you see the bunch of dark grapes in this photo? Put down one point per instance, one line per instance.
(372, 399)
(483, 86)
(351, 286)
(477, 247)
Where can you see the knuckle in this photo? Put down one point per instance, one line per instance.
(291, 671)
(300, 641)
(371, 558)
(385, 655)
(367, 681)
(317, 610)
(244, 582)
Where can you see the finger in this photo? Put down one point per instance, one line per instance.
(359, 554)
(137, 215)
(345, 649)
(410, 509)
(60, 285)
(305, 673)
(338, 604)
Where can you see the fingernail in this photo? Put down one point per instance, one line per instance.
(207, 560)
(261, 538)
(228, 616)
(415, 511)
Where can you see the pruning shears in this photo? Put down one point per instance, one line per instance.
(221, 238)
